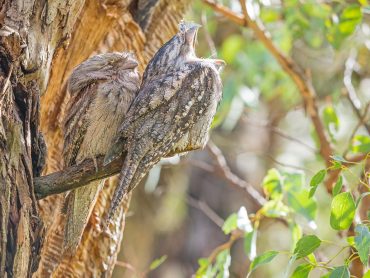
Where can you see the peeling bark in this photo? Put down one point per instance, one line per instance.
(40, 43)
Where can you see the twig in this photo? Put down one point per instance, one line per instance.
(350, 89)
(203, 207)
(226, 12)
(75, 176)
(300, 79)
(281, 133)
(235, 235)
(230, 177)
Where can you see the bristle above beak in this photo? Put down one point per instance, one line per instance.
(219, 64)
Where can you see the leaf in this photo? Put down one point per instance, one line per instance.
(306, 245)
(338, 186)
(230, 224)
(361, 144)
(290, 265)
(250, 240)
(243, 222)
(296, 232)
(343, 209)
(204, 263)
(301, 203)
(340, 272)
(318, 178)
(351, 241)
(264, 258)
(222, 264)
(331, 120)
(302, 271)
(362, 242)
(157, 262)
(274, 209)
(272, 184)
(367, 274)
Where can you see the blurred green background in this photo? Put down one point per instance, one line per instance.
(261, 124)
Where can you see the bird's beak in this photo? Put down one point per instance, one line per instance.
(131, 64)
(219, 64)
(191, 33)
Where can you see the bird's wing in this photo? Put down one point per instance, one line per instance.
(152, 95)
(76, 122)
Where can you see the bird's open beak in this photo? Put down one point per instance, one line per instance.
(191, 33)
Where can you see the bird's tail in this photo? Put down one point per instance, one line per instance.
(125, 178)
(79, 204)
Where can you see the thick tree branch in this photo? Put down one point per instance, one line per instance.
(75, 176)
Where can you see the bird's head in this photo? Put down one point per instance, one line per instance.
(175, 52)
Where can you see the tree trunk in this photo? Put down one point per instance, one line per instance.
(40, 43)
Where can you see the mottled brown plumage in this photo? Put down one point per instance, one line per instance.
(101, 90)
(172, 112)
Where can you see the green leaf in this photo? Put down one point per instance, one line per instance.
(343, 209)
(230, 224)
(290, 265)
(338, 186)
(250, 240)
(312, 191)
(331, 120)
(274, 209)
(157, 262)
(362, 242)
(264, 258)
(302, 271)
(318, 178)
(306, 245)
(296, 232)
(361, 144)
(222, 264)
(340, 272)
(301, 203)
(272, 184)
(367, 274)
(351, 241)
(204, 263)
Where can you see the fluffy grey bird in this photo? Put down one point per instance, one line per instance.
(172, 112)
(101, 90)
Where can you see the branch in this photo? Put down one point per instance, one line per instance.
(300, 79)
(230, 177)
(75, 176)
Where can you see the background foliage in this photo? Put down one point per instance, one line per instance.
(194, 216)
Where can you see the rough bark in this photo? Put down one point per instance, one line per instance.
(40, 43)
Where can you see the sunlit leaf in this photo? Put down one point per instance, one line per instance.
(204, 263)
(250, 240)
(361, 144)
(230, 224)
(306, 245)
(343, 209)
(272, 184)
(351, 241)
(362, 242)
(318, 178)
(262, 259)
(157, 262)
(301, 203)
(338, 186)
(331, 120)
(274, 208)
(243, 222)
(302, 271)
(296, 231)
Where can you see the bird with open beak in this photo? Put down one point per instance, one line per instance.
(172, 112)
